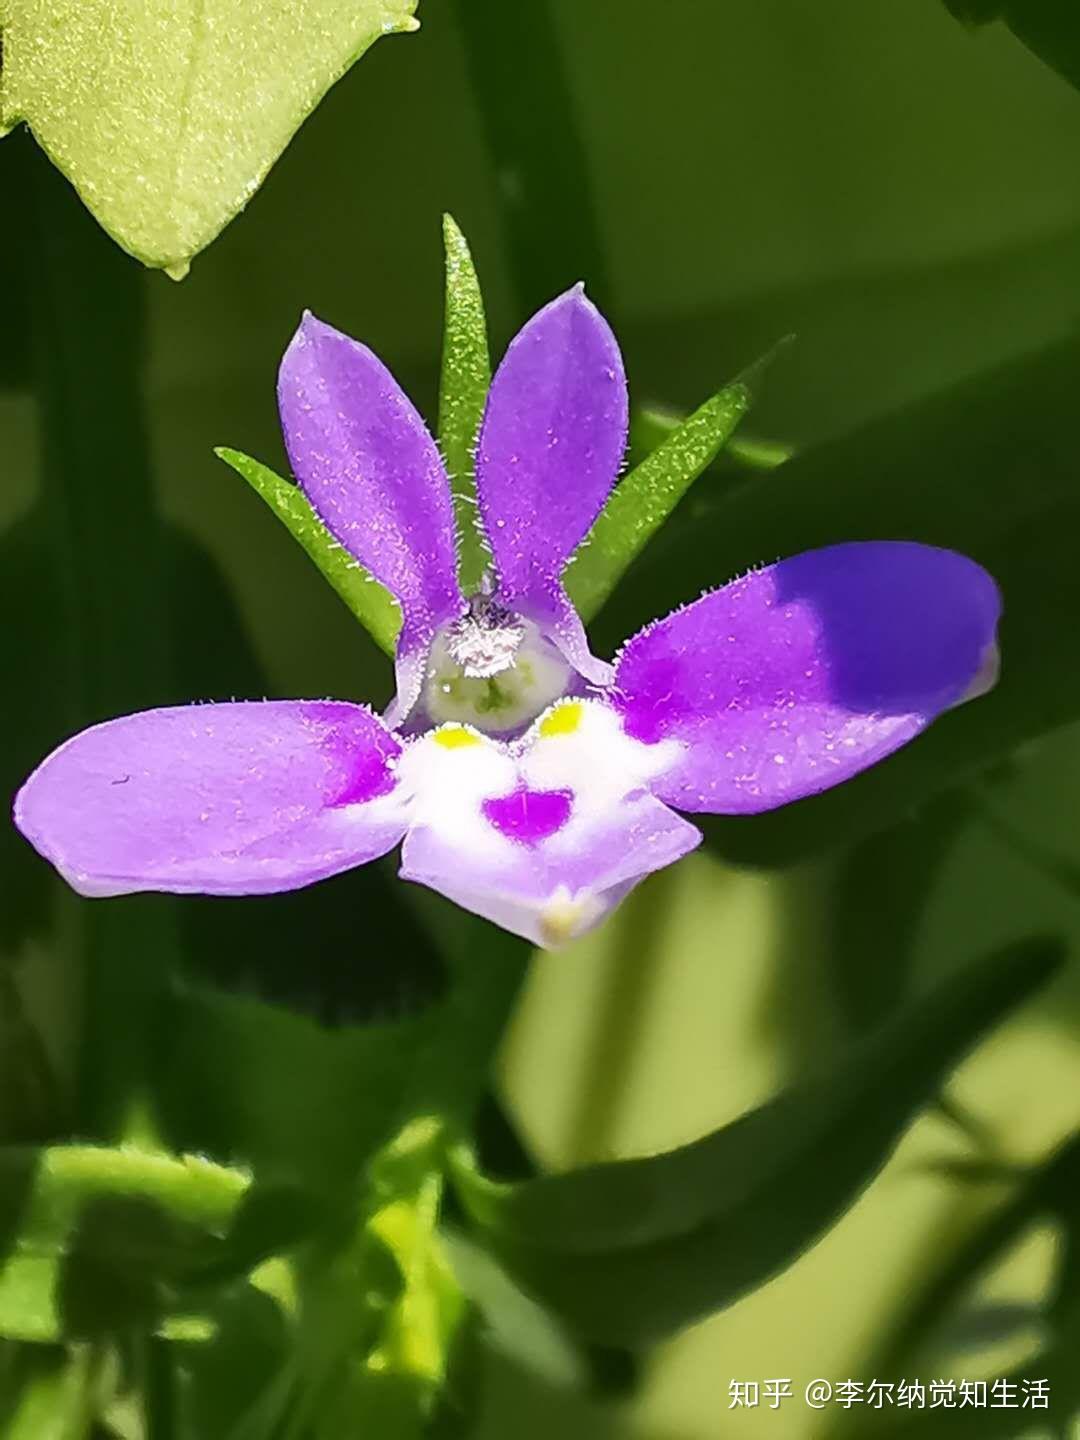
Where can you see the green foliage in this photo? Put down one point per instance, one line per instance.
(463, 387)
(1049, 1193)
(366, 598)
(642, 502)
(975, 12)
(1049, 28)
(628, 1251)
(166, 117)
(90, 1235)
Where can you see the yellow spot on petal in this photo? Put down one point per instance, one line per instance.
(455, 737)
(559, 922)
(562, 719)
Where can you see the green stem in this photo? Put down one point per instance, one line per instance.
(487, 968)
(105, 534)
(527, 109)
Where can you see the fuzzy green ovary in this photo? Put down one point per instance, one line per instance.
(490, 696)
(495, 704)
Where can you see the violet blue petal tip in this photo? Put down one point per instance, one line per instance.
(798, 676)
(550, 445)
(232, 799)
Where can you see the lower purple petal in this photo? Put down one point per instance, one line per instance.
(550, 892)
(544, 838)
(796, 677)
(235, 799)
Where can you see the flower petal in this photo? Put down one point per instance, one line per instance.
(798, 676)
(552, 439)
(546, 841)
(236, 799)
(373, 474)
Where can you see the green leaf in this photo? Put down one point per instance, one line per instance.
(1049, 28)
(629, 1251)
(365, 597)
(167, 115)
(463, 387)
(642, 502)
(1048, 1192)
(514, 1325)
(49, 1394)
(88, 1233)
(975, 12)
(650, 427)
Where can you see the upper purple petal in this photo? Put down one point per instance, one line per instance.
(796, 677)
(371, 470)
(235, 799)
(550, 447)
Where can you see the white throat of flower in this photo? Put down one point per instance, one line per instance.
(493, 670)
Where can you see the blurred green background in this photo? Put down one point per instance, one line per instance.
(905, 197)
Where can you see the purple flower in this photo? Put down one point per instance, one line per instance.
(530, 781)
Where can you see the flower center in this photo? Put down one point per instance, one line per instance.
(492, 669)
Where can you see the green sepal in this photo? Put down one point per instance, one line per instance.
(369, 601)
(641, 503)
(463, 387)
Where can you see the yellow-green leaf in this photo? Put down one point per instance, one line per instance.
(167, 114)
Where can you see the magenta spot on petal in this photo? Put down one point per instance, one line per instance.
(658, 702)
(359, 761)
(529, 816)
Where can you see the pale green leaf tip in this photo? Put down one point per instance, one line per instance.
(750, 379)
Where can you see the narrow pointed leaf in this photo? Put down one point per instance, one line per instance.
(365, 597)
(650, 427)
(640, 504)
(167, 115)
(629, 1251)
(463, 387)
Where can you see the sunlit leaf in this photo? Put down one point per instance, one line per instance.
(629, 1251)
(463, 387)
(167, 115)
(365, 597)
